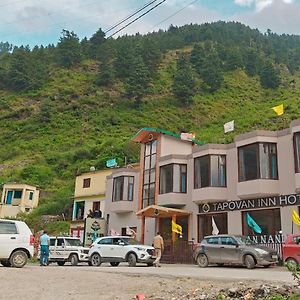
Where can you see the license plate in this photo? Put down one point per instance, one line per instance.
(274, 256)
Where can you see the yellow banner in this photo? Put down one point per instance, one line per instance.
(279, 109)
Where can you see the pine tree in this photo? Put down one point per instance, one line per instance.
(183, 85)
(105, 77)
(269, 76)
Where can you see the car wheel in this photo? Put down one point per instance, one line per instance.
(150, 264)
(96, 260)
(74, 259)
(114, 263)
(18, 259)
(5, 263)
(131, 260)
(292, 262)
(202, 260)
(60, 263)
(249, 262)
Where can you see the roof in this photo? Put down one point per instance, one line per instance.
(153, 211)
(142, 133)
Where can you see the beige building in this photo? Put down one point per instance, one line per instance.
(255, 178)
(18, 198)
(89, 199)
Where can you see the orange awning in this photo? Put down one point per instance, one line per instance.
(155, 211)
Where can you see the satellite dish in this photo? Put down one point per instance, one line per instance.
(92, 169)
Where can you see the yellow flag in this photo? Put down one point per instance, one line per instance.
(279, 109)
(296, 218)
(176, 228)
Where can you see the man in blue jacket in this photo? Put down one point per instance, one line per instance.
(44, 243)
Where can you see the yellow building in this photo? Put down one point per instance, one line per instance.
(18, 198)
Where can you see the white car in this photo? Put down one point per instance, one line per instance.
(116, 249)
(67, 249)
(16, 243)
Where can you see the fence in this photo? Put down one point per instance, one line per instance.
(181, 252)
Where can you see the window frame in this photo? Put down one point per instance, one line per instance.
(11, 224)
(296, 151)
(196, 186)
(86, 182)
(129, 186)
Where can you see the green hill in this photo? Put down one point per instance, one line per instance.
(58, 119)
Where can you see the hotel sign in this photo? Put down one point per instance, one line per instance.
(267, 202)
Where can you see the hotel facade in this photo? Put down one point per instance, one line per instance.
(193, 184)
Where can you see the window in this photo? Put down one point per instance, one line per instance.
(60, 242)
(173, 178)
(30, 195)
(123, 188)
(258, 161)
(107, 241)
(79, 210)
(213, 240)
(210, 170)
(228, 241)
(18, 194)
(149, 173)
(297, 151)
(267, 219)
(86, 182)
(8, 228)
(52, 242)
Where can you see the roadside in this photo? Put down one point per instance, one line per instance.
(169, 282)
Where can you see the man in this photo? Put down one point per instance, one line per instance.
(158, 244)
(44, 243)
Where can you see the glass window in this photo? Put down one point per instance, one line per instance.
(18, 194)
(210, 170)
(166, 179)
(258, 161)
(130, 188)
(267, 219)
(52, 242)
(107, 241)
(118, 188)
(30, 195)
(60, 242)
(213, 240)
(297, 151)
(86, 182)
(8, 228)
(228, 241)
(173, 178)
(123, 188)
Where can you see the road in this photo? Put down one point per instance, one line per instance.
(123, 282)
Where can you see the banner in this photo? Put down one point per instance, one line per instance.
(229, 126)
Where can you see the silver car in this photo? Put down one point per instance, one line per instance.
(233, 250)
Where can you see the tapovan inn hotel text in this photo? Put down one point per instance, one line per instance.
(258, 174)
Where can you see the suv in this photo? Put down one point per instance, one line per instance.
(16, 243)
(116, 249)
(67, 249)
(291, 249)
(227, 249)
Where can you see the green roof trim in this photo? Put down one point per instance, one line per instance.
(175, 135)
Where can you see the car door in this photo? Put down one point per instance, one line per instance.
(120, 248)
(60, 249)
(212, 249)
(106, 248)
(52, 248)
(229, 251)
(9, 238)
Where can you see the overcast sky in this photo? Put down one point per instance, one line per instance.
(36, 22)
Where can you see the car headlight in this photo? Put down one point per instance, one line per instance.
(261, 251)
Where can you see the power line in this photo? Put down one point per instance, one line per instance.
(128, 17)
(134, 20)
(174, 14)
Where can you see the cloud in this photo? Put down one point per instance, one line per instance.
(259, 4)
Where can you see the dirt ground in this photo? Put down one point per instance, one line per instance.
(53, 282)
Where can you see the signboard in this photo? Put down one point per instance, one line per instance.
(93, 228)
(247, 204)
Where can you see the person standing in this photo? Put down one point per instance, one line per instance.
(44, 243)
(158, 244)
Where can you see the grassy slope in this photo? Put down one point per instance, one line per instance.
(49, 135)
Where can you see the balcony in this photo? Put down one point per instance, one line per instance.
(210, 194)
(121, 206)
(258, 188)
(172, 199)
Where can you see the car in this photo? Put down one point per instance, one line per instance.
(117, 249)
(16, 243)
(64, 249)
(233, 250)
(291, 249)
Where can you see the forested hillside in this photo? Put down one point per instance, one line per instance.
(66, 107)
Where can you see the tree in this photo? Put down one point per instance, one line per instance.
(183, 85)
(96, 42)
(68, 49)
(269, 76)
(251, 62)
(105, 76)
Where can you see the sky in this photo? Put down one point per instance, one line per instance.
(40, 22)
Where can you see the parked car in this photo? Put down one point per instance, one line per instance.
(67, 249)
(16, 243)
(116, 249)
(291, 249)
(233, 250)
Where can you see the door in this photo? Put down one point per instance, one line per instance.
(52, 248)
(9, 238)
(59, 252)
(212, 249)
(120, 248)
(9, 197)
(106, 247)
(229, 251)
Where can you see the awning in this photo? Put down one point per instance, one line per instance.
(155, 211)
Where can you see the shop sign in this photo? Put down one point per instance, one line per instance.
(267, 239)
(247, 204)
(93, 228)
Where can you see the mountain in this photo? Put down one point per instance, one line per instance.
(70, 106)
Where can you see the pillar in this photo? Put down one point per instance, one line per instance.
(143, 230)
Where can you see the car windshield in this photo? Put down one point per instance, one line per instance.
(244, 240)
(130, 241)
(73, 242)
